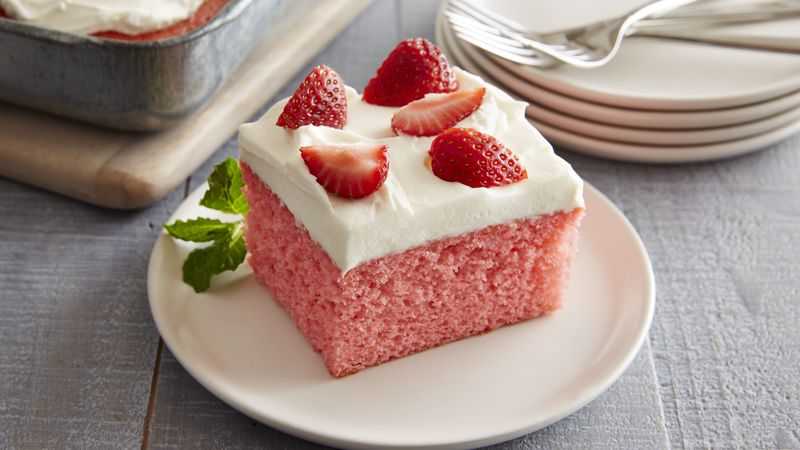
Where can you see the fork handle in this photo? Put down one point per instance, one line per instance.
(701, 11)
(775, 44)
(653, 9)
(726, 18)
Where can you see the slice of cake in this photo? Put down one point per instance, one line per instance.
(141, 20)
(388, 230)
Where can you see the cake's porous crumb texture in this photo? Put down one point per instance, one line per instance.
(407, 302)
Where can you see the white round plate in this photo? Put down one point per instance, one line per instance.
(671, 138)
(658, 73)
(476, 61)
(244, 348)
(660, 154)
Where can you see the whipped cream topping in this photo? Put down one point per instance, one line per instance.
(91, 16)
(413, 206)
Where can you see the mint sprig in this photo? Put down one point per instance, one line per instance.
(227, 250)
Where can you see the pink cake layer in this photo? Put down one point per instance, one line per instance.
(411, 301)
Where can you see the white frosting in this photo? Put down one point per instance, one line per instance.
(413, 206)
(91, 16)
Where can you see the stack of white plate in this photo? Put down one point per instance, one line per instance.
(658, 100)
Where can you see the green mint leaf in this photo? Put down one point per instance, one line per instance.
(228, 249)
(201, 229)
(204, 263)
(225, 189)
(236, 250)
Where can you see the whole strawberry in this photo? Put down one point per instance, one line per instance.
(319, 100)
(414, 68)
(475, 159)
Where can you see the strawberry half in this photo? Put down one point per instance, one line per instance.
(414, 68)
(470, 157)
(319, 100)
(432, 115)
(348, 171)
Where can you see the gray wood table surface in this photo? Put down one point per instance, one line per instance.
(82, 365)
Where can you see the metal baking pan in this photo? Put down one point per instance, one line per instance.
(129, 85)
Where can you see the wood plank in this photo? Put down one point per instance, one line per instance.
(724, 240)
(186, 415)
(628, 415)
(78, 342)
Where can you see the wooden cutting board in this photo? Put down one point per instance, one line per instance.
(127, 170)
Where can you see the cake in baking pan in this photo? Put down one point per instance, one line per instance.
(131, 20)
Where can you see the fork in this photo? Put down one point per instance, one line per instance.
(588, 46)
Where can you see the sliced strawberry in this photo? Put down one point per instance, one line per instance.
(470, 157)
(348, 171)
(432, 115)
(319, 100)
(414, 68)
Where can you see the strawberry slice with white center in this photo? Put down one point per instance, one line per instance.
(349, 171)
(435, 113)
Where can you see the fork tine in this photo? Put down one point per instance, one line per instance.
(489, 41)
(476, 11)
(478, 30)
(481, 20)
(501, 49)
(512, 53)
(525, 60)
(472, 25)
(458, 18)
